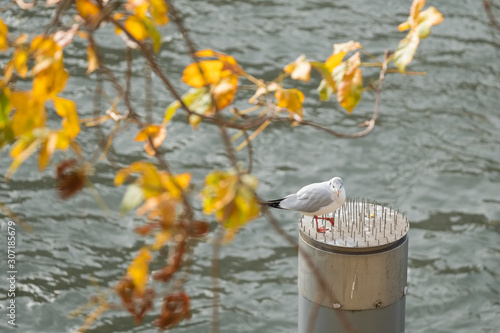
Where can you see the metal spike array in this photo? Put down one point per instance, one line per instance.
(358, 224)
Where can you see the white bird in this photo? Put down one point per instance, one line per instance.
(314, 199)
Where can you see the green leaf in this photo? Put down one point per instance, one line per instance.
(153, 33)
(4, 110)
(132, 199)
(325, 90)
(327, 85)
(170, 112)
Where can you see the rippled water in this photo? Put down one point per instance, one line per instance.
(435, 154)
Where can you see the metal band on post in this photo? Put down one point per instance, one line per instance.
(364, 260)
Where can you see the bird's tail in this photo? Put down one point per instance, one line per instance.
(273, 203)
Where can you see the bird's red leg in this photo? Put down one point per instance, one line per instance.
(322, 229)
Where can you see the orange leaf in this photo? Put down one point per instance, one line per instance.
(223, 92)
(87, 9)
(156, 133)
(212, 72)
(350, 83)
(291, 99)
(3, 36)
(135, 26)
(92, 60)
(161, 238)
(350, 90)
(138, 271)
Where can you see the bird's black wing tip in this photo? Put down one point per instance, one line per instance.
(273, 203)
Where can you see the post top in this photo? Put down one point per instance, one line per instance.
(360, 226)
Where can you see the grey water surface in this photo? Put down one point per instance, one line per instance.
(435, 155)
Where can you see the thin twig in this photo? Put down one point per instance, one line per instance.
(219, 234)
(489, 12)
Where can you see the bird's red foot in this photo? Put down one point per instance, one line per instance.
(323, 229)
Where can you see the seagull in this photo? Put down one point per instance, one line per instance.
(314, 199)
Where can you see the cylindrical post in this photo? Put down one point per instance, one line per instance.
(363, 263)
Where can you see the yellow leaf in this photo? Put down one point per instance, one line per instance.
(205, 53)
(149, 180)
(47, 149)
(327, 85)
(63, 140)
(339, 52)
(87, 9)
(20, 61)
(3, 36)
(135, 26)
(349, 82)
(22, 149)
(153, 33)
(49, 82)
(406, 50)
(67, 110)
(92, 60)
(291, 99)
(404, 26)
(138, 7)
(43, 46)
(175, 184)
(300, 69)
(138, 271)
(29, 114)
(350, 90)
(223, 92)
(219, 190)
(232, 200)
(158, 10)
(170, 112)
(212, 72)
(156, 133)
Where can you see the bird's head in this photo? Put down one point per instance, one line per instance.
(337, 185)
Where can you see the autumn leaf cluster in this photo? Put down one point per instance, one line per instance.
(159, 196)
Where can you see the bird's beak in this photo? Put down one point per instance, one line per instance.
(337, 192)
